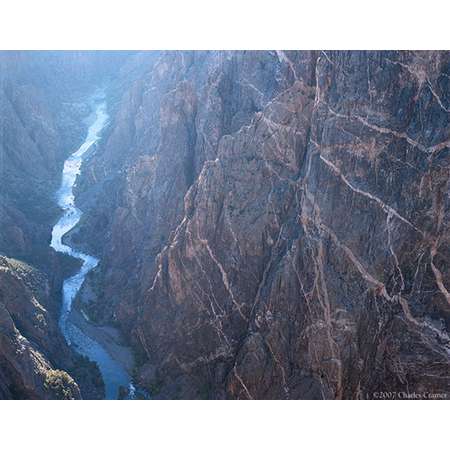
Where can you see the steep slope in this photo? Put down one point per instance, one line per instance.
(279, 224)
(28, 337)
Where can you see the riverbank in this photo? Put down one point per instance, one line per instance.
(108, 337)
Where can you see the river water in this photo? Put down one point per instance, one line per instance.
(113, 373)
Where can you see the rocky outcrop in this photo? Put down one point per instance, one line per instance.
(29, 338)
(278, 227)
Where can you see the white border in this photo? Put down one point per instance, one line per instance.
(230, 425)
(230, 24)
(226, 24)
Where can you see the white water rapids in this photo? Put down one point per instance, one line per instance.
(114, 375)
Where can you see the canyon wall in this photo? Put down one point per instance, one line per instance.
(275, 224)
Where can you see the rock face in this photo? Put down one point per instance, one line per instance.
(276, 223)
(29, 338)
(153, 154)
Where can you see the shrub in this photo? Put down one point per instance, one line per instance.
(61, 385)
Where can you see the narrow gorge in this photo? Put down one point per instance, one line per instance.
(225, 224)
(114, 375)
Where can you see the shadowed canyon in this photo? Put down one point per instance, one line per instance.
(225, 225)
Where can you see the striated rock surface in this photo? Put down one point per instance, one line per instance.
(165, 127)
(279, 224)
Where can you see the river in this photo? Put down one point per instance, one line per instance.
(113, 373)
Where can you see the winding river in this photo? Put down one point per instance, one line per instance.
(113, 373)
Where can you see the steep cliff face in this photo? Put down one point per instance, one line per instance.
(279, 226)
(164, 129)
